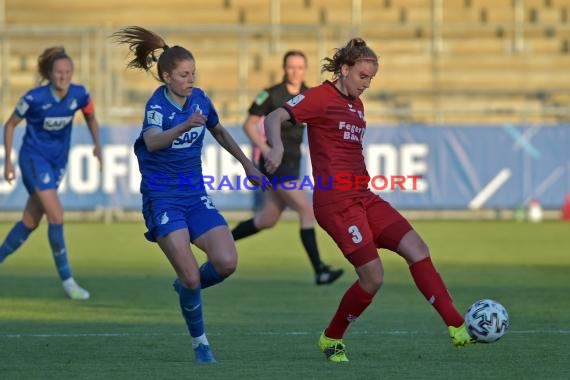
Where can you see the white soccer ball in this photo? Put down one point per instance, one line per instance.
(487, 321)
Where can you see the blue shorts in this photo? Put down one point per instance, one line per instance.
(162, 216)
(39, 174)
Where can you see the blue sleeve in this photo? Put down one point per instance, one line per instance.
(24, 104)
(213, 118)
(152, 117)
(84, 98)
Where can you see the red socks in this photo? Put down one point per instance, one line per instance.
(434, 290)
(352, 304)
(428, 281)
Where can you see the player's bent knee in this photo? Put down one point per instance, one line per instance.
(31, 221)
(190, 279)
(422, 250)
(371, 287)
(372, 284)
(226, 265)
(266, 223)
(31, 225)
(413, 248)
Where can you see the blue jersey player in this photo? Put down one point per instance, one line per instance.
(176, 208)
(48, 111)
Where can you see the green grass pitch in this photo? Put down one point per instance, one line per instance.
(264, 322)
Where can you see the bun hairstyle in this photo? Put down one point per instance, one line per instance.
(355, 50)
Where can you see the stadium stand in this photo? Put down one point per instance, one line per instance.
(470, 60)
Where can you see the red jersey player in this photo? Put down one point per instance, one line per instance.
(359, 221)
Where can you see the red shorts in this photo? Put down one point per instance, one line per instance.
(357, 222)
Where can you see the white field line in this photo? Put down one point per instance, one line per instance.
(257, 333)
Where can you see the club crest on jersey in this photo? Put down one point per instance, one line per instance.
(56, 123)
(196, 109)
(188, 138)
(296, 100)
(73, 105)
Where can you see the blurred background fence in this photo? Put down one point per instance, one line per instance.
(442, 61)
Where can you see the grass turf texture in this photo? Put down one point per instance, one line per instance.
(264, 322)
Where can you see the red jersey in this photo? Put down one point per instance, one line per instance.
(335, 128)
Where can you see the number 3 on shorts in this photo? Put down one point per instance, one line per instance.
(355, 232)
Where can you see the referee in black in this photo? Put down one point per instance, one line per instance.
(275, 202)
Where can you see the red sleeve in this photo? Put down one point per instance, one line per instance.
(305, 107)
(89, 108)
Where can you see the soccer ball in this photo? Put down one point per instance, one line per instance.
(487, 321)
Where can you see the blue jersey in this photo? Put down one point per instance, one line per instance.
(175, 171)
(49, 121)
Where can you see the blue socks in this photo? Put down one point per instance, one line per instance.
(209, 276)
(191, 303)
(55, 236)
(18, 235)
(15, 238)
(191, 306)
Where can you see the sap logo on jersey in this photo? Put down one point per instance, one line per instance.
(296, 100)
(56, 123)
(187, 139)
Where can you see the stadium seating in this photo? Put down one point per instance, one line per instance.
(493, 61)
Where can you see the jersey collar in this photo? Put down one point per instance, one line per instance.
(54, 93)
(172, 102)
(332, 84)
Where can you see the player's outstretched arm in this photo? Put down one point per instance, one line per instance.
(226, 140)
(272, 125)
